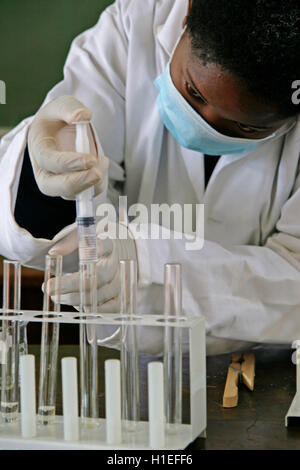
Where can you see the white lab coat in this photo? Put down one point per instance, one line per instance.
(246, 279)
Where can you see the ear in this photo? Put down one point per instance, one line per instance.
(188, 12)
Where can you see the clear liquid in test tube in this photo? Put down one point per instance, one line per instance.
(49, 340)
(173, 347)
(10, 337)
(129, 347)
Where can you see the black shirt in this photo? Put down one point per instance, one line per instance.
(44, 216)
(210, 162)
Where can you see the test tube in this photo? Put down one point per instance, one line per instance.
(49, 341)
(23, 345)
(89, 409)
(10, 342)
(87, 238)
(172, 347)
(129, 350)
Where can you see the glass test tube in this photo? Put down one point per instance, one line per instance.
(129, 350)
(10, 342)
(23, 345)
(49, 341)
(87, 237)
(173, 347)
(88, 344)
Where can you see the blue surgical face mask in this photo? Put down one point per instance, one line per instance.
(189, 128)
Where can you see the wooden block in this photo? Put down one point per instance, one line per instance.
(236, 357)
(248, 370)
(230, 396)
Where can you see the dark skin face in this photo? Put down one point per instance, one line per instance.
(219, 97)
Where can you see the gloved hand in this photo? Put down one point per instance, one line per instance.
(110, 252)
(58, 169)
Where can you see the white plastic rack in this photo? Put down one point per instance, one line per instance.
(51, 436)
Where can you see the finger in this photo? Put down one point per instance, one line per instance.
(105, 247)
(108, 291)
(70, 295)
(49, 158)
(103, 166)
(53, 144)
(70, 299)
(69, 283)
(67, 108)
(65, 139)
(112, 306)
(101, 186)
(104, 296)
(107, 281)
(107, 269)
(67, 245)
(67, 185)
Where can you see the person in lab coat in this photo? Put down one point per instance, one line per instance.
(192, 102)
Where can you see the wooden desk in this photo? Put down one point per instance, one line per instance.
(257, 422)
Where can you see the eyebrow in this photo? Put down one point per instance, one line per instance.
(206, 101)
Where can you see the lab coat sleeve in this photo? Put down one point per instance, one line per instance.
(246, 293)
(94, 72)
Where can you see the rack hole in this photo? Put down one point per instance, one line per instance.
(49, 315)
(11, 314)
(171, 320)
(87, 317)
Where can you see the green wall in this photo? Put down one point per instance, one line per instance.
(35, 36)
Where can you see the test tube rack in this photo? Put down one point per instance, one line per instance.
(95, 437)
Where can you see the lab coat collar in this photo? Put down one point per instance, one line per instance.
(168, 32)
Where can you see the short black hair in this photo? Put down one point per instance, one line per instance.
(258, 41)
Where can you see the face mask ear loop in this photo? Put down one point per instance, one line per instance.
(282, 131)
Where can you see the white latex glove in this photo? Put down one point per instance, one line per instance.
(110, 252)
(58, 169)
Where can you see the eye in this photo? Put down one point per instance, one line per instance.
(192, 92)
(247, 129)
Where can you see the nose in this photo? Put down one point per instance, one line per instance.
(212, 118)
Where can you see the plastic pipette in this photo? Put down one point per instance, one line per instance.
(85, 207)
